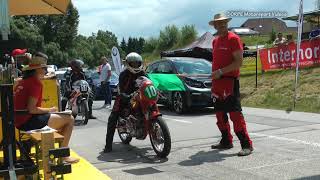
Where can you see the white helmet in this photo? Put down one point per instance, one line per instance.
(134, 62)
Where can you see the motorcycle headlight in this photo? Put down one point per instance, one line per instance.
(193, 83)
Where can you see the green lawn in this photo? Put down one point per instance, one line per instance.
(275, 90)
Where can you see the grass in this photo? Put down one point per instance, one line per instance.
(254, 40)
(275, 90)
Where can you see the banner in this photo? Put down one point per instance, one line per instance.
(285, 56)
(116, 60)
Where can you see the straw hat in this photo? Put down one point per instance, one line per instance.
(39, 60)
(219, 17)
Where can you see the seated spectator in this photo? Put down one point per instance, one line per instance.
(28, 96)
(290, 39)
(279, 40)
(244, 46)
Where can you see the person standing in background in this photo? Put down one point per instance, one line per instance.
(105, 76)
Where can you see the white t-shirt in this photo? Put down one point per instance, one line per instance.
(104, 72)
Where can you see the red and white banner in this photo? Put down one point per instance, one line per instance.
(285, 56)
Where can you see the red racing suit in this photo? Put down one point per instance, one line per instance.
(226, 90)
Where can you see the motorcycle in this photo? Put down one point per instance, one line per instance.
(142, 117)
(78, 102)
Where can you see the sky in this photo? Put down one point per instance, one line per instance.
(145, 18)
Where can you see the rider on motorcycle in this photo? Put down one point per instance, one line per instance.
(72, 76)
(127, 82)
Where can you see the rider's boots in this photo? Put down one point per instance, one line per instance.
(112, 123)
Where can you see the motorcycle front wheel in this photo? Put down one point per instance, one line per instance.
(124, 136)
(160, 137)
(85, 111)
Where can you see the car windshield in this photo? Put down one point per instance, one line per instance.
(114, 76)
(95, 75)
(194, 66)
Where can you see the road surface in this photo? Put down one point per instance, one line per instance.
(287, 146)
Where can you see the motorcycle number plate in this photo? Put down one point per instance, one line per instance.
(83, 88)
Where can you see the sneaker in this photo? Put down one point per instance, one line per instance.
(92, 117)
(222, 146)
(104, 106)
(108, 106)
(245, 151)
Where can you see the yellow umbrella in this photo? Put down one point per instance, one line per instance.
(37, 7)
(28, 7)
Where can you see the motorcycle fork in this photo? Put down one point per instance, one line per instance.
(151, 114)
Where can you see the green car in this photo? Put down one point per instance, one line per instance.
(182, 82)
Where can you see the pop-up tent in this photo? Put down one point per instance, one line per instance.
(201, 48)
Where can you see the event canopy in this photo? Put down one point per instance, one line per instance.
(201, 48)
(311, 17)
(28, 7)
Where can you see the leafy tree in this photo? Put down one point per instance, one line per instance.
(168, 37)
(28, 34)
(56, 56)
(123, 45)
(273, 35)
(150, 45)
(108, 38)
(188, 35)
(140, 45)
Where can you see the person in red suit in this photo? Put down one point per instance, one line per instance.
(227, 60)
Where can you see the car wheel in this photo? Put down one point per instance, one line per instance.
(179, 102)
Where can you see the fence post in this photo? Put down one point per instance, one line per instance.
(257, 52)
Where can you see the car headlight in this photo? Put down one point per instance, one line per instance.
(193, 83)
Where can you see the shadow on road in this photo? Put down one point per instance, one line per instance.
(190, 113)
(128, 154)
(205, 157)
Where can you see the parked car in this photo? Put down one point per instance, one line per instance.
(52, 68)
(182, 82)
(114, 81)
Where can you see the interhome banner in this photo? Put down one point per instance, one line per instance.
(284, 57)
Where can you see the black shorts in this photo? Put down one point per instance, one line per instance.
(37, 121)
(231, 103)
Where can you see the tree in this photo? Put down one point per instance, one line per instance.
(273, 35)
(82, 47)
(140, 45)
(61, 29)
(28, 34)
(188, 35)
(150, 45)
(68, 31)
(123, 45)
(130, 47)
(168, 37)
(55, 55)
(108, 38)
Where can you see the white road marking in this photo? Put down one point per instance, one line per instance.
(287, 139)
(178, 120)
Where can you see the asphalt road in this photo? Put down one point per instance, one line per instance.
(287, 146)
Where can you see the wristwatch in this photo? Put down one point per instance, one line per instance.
(220, 73)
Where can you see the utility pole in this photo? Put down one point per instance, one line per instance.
(317, 4)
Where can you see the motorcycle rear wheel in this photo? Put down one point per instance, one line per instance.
(160, 137)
